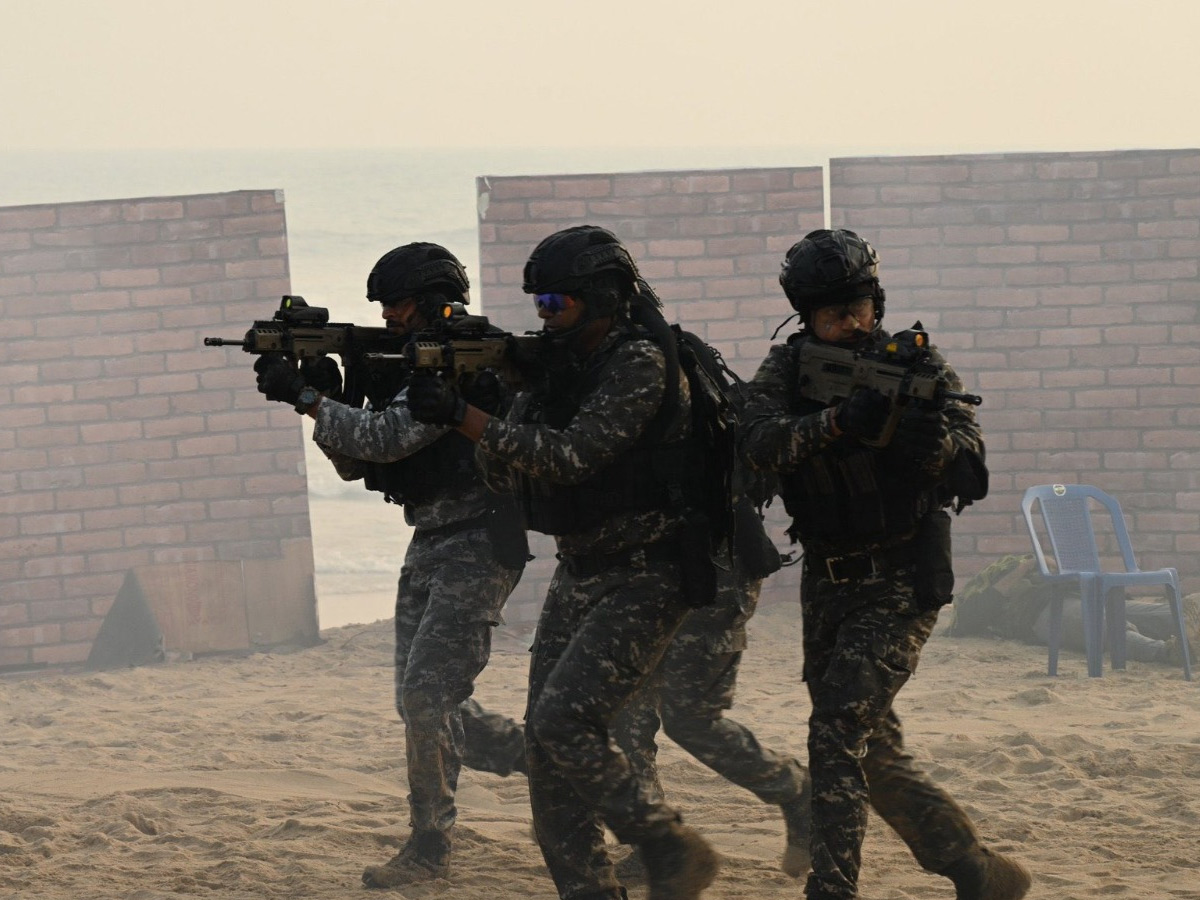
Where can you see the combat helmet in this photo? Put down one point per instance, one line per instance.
(428, 272)
(829, 267)
(586, 261)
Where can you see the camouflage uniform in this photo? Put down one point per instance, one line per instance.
(1010, 599)
(690, 691)
(613, 604)
(449, 598)
(862, 635)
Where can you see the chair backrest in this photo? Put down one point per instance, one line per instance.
(1067, 517)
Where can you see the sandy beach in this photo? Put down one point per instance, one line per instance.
(281, 774)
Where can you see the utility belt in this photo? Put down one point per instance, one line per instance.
(861, 566)
(588, 565)
(505, 530)
(453, 528)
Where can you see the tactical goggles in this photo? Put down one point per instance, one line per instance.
(553, 303)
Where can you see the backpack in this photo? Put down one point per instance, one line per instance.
(714, 419)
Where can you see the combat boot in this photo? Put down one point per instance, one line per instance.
(425, 856)
(679, 864)
(797, 816)
(983, 875)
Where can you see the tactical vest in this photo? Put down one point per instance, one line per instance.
(416, 479)
(651, 475)
(845, 496)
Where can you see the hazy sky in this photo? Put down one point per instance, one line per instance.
(875, 74)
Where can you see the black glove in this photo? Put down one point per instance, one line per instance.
(435, 401)
(863, 414)
(485, 392)
(322, 374)
(278, 378)
(922, 436)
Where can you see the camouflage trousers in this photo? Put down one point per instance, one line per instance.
(689, 692)
(598, 639)
(862, 641)
(448, 600)
(494, 743)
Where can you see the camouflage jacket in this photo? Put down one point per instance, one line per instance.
(354, 438)
(609, 422)
(782, 436)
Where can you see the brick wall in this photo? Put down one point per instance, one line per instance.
(709, 241)
(1064, 287)
(124, 442)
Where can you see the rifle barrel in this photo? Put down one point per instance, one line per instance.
(961, 397)
(224, 342)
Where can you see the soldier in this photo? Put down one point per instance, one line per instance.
(876, 543)
(588, 448)
(466, 554)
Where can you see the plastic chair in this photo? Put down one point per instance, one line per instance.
(1066, 513)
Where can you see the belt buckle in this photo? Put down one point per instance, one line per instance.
(829, 568)
(832, 563)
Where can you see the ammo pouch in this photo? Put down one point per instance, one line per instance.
(967, 479)
(699, 572)
(934, 577)
(506, 531)
(755, 550)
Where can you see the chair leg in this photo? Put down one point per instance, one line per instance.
(1114, 612)
(1056, 627)
(1172, 593)
(1093, 627)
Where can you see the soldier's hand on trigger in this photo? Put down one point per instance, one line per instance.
(923, 436)
(434, 401)
(322, 374)
(278, 378)
(863, 414)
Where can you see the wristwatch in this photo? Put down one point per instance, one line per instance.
(307, 399)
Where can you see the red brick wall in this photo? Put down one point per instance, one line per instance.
(1064, 288)
(709, 241)
(123, 441)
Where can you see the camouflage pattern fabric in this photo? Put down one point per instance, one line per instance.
(1004, 600)
(449, 597)
(351, 437)
(862, 640)
(597, 641)
(609, 422)
(1010, 599)
(599, 636)
(494, 743)
(689, 692)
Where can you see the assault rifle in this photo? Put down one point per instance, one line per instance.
(299, 331)
(902, 369)
(461, 346)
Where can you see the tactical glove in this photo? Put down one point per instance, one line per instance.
(863, 414)
(485, 392)
(922, 436)
(434, 401)
(278, 379)
(322, 373)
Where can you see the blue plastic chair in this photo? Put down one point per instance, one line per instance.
(1066, 515)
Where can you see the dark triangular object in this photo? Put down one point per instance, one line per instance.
(129, 634)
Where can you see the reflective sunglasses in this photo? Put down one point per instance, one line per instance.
(553, 303)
